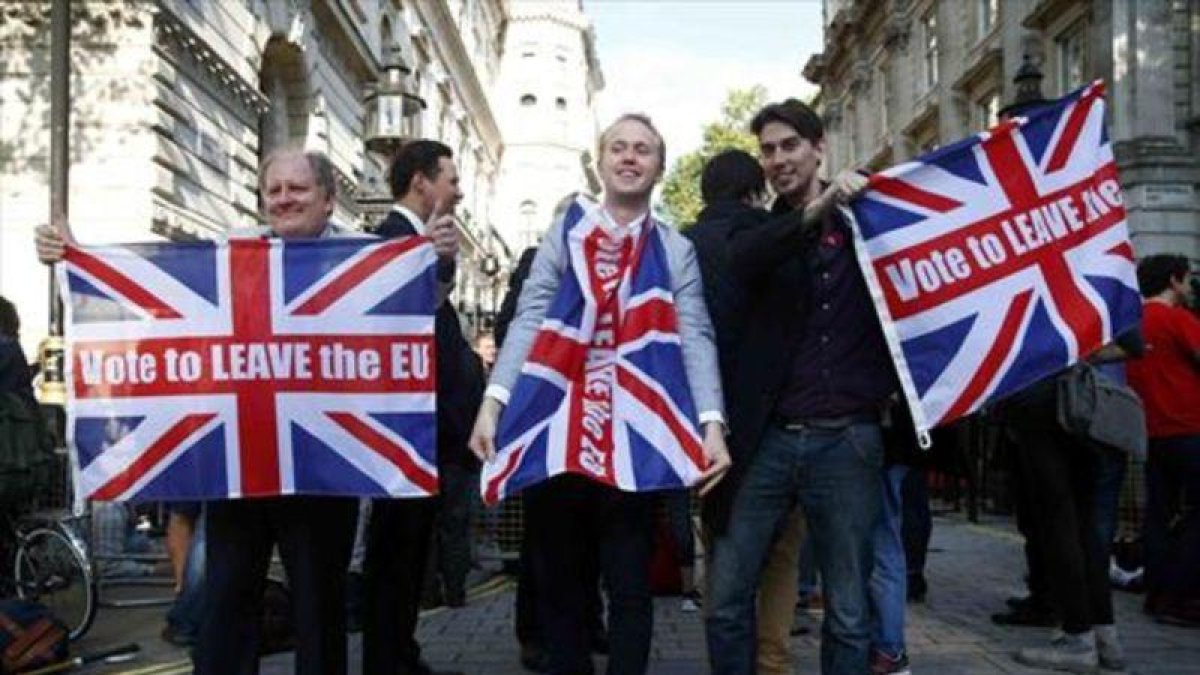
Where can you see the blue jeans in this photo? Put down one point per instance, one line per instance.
(187, 613)
(806, 571)
(834, 475)
(889, 578)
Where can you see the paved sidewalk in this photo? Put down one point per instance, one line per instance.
(972, 568)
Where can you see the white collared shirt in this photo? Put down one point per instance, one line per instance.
(634, 229)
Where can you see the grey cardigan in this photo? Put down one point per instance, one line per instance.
(695, 328)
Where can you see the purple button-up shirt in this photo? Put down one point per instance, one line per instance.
(841, 366)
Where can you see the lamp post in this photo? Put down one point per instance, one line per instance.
(50, 351)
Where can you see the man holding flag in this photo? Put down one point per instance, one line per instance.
(807, 398)
(314, 533)
(606, 379)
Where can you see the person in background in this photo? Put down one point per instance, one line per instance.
(425, 188)
(185, 547)
(1060, 476)
(734, 188)
(15, 378)
(1168, 380)
(485, 347)
(15, 375)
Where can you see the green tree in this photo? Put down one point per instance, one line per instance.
(681, 189)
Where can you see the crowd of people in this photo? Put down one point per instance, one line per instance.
(813, 476)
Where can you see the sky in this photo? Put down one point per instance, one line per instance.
(676, 59)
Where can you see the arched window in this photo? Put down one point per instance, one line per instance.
(528, 100)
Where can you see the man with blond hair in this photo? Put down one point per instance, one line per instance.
(569, 513)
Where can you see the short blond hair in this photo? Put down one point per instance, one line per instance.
(642, 119)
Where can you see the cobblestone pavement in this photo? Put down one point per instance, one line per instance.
(971, 569)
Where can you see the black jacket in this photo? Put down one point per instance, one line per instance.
(757, 285)
(460, 374)
(15, 376)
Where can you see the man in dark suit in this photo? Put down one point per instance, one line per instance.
(424, 182)
(733, 186)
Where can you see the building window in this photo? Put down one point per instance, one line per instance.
(528, 100)
(1072, 57)
(987, 112)
(560, 103)
(989, 12)
(929, 39)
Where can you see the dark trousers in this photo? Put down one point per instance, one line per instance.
(529, 632)
(1061, 481)
(917, 523)
(314, 535)
(1172, 532)
(1029, 521)
(571, 519)
(452, 529)
(398, 538)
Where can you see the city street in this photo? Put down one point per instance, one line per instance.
(972, 568)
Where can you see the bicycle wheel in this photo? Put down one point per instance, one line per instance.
(50, 568)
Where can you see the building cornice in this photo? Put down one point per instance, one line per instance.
(926, 116)
(174, 33)
(814, 69)
(365, 59)
(1045, 13)
(988, 66)
(445, 38)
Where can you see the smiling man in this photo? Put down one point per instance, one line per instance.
(314, 533)
(813, 378)
(569, 516)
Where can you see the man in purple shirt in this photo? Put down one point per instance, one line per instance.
(805, 405)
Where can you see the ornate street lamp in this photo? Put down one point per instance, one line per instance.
(1029, 90)
(391, 108)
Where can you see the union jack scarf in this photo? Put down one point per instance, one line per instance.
(603, 392)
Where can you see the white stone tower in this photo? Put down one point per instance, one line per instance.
(545, 100)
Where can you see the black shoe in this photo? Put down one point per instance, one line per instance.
(1027, 615)
(917, 587)
(172, 636)
(1019, 602)
(535, 659)
(456, 598)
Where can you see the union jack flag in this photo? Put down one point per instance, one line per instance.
(633, 426)
(1000, 259)
(251, 368)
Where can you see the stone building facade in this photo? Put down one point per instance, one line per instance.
(549, 80)
(175, 102)
(899, 77)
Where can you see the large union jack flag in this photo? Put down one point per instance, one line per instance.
(604, 392)
(1000, 259)
(251, 368)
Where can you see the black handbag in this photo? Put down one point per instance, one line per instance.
(1101, 410)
